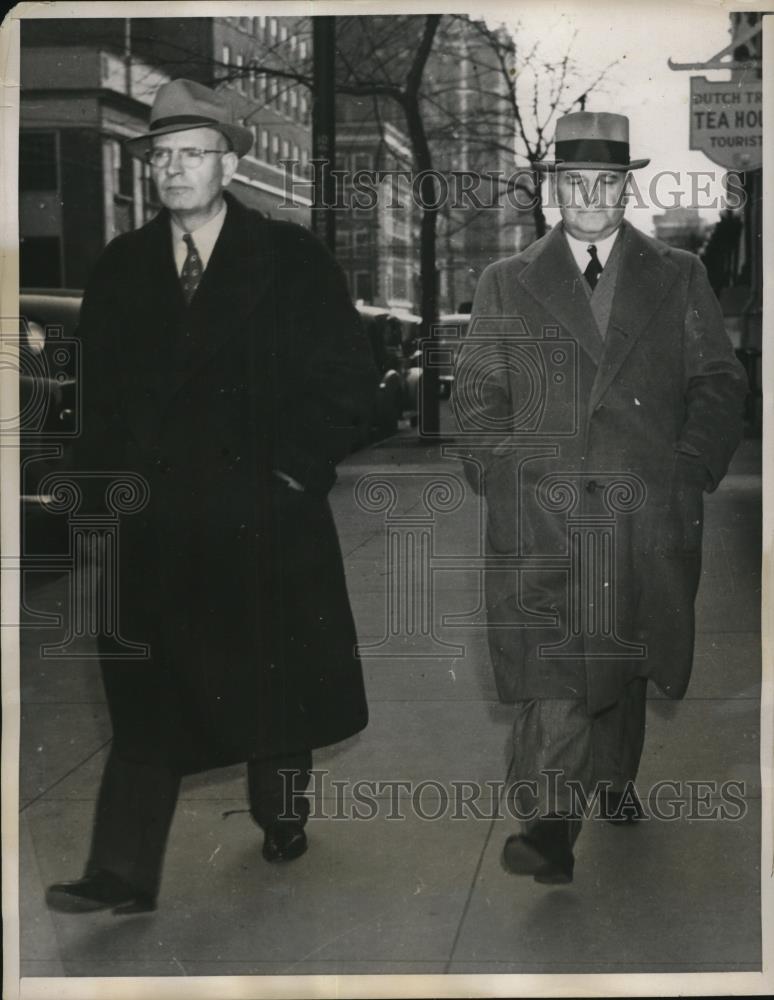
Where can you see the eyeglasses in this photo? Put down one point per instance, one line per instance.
(160, 156)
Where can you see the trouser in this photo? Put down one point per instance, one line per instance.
(136, 804)
(556, 741)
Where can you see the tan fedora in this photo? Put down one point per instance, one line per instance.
(183, 104)
(594, 140)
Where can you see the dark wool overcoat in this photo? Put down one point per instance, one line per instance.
(234, 579)
(593, 454)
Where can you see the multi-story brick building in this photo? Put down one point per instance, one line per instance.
(459, 87)
(376, 241)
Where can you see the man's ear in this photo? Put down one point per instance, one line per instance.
(230, 161)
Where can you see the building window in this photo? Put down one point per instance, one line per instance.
(304, 159)
(273, 26)
(244, 23)
(226, 56)
(296, 154)
(124, 168)
(240, 61)
(123, 187)
(284, 33)
(364, 288)
(293, 43)
(274, 146)
(273, 88)
(264, 144)
(150, 198)
(38, 161)
(294, 100)
(285, 149)
(302, 49)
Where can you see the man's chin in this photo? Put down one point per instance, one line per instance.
(590, 227)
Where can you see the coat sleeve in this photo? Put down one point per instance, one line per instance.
(330, 394)
(715, 386)
(480, 397)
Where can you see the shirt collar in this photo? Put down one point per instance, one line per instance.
(580, 251)
(205, 237)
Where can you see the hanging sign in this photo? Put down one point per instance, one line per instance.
(727, 122)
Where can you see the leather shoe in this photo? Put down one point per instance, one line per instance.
(544, 852)
(284, 841)
(101, 890)
(621, 808)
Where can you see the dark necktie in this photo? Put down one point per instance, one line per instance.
(593, 268)
(191, 274)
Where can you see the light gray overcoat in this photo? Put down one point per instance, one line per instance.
(570, 432)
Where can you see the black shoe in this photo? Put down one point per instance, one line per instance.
(101, 890)
(621, 808)
(545, 852)
(284, 841)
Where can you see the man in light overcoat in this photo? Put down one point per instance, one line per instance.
(225, 365)
(601, 398)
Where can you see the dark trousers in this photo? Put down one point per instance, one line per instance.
(136, 804)
(559, 735)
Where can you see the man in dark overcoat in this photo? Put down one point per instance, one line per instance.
(225, 365)
(600, 396)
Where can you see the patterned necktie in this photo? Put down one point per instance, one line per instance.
(191, 274)
(593, 268)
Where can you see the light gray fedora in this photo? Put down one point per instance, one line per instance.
(593, 140)
(183, 104)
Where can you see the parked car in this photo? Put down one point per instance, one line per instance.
(386, 332)
(48, 411)
(448, 334)
(441, 352)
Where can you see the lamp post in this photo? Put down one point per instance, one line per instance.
(324, 129)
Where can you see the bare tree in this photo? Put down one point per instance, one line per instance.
(535, 92)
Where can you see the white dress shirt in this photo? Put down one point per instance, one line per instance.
(580, 249)
(205, 238)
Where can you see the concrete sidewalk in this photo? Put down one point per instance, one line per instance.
(411, 895)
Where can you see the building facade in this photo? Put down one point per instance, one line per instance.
(459, 88)
(88, 84)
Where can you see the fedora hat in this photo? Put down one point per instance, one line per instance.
(594, 140)
(183, 104)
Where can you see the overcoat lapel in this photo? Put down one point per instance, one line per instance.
(644, 278)
(554, 280)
